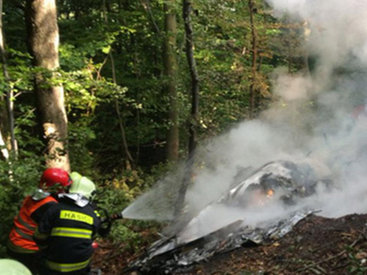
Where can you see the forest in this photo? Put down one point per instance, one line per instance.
(131, 93)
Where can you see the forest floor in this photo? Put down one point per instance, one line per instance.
(316, 245)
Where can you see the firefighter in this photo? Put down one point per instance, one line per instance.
(65, 233)
(21, 245)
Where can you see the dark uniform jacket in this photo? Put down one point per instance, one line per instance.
(65, 234)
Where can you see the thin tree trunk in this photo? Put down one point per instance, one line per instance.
(147, 8)
(43, 39)
(186, 9)
(186, 181)
(138, 98)
(117, 105)
(251, 6)
(170, 72)
(194, 75)
(306, 37)
(8, 124)
(121, 124)
(4, 150)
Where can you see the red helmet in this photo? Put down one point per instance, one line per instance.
(53, 176)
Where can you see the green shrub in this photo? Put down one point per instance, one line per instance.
(17, 180)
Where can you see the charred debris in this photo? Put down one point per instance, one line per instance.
(285, 183)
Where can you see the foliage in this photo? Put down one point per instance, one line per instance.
(18, 178)
(115, 195)
(112, 73)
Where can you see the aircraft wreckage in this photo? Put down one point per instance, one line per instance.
(276, 187)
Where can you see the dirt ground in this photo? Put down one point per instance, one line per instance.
(316, 245)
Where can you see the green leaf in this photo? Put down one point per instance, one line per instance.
(106, 49)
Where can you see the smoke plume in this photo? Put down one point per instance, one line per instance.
(316, 120)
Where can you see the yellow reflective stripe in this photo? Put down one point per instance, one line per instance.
(67, 267)
(71, 232)
(76, 216)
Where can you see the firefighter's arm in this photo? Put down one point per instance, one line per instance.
(40, 239)
(44, 227)
(106, 221)
(103, 224)
(105, 228)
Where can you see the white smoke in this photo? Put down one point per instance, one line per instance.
(312, 122)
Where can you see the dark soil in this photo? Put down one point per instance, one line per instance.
(316, 245)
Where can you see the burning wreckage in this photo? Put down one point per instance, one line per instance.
(278, 185)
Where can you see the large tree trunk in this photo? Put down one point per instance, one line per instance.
(170, 71)
(43, 38)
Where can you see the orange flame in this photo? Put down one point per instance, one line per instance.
(269, 193)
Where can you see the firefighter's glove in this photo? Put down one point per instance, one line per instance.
(116, 216)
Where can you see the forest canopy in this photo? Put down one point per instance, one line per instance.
(142, 83)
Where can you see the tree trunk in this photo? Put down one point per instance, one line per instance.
(125, 146)
(253, 94)
(194, 75)
(188, 173)
(43, 39)
(170, 72)
(7, 109)
(147, 8)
